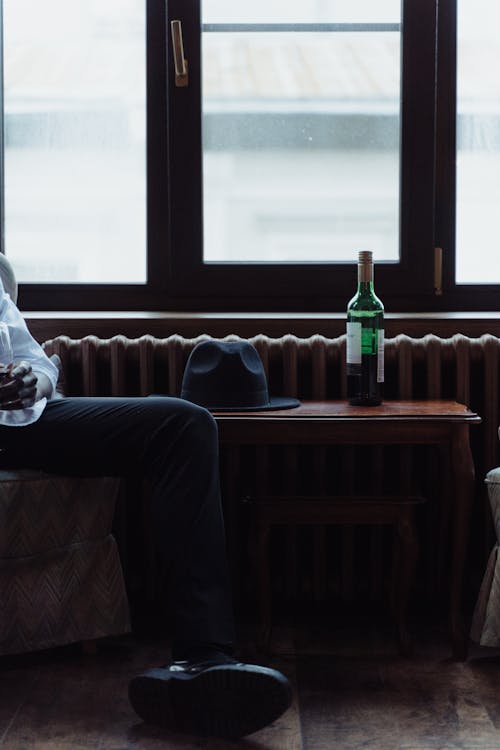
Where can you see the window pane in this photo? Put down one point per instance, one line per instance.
(301, 133)
(478, 142)
(75, 170)
(306, 11)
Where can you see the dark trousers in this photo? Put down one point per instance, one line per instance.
(173, 445)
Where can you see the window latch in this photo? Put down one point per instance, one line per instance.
(180, 62)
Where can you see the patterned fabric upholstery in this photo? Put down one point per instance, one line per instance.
(61, 579)
(486, 621)
(60, 575)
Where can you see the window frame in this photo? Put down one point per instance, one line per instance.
(177, 278)
(153, 295)
(466, 297)
(463, 297)
(313, 286)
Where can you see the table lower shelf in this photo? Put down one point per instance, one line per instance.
(395, 511)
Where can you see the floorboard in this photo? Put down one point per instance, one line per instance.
(352, 691)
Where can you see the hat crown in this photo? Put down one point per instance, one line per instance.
(225, 374)
(236, 356)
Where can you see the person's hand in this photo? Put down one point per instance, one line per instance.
(17, 386)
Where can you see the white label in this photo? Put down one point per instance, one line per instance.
(353, 344)
(380, 356)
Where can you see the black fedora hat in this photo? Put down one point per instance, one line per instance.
(229, 376)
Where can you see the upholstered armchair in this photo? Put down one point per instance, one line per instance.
(61, 579)
(486, 620)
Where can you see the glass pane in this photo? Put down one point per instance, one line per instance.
(478, 142)
(300, 136)
(75, 161)
(305, 11)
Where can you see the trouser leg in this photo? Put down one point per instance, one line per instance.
(173, 444)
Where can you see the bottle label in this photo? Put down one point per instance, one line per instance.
(353, 344)
(380, 356)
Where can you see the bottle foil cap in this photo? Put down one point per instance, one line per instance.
(365, 256)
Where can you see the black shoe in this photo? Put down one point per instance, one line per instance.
(219, 697)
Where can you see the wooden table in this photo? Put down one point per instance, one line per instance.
(442, 423)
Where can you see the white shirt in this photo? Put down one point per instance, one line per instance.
(25, 348)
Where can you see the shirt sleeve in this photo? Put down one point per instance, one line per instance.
(24, 346)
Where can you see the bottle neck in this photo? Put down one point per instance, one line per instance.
(365, 277)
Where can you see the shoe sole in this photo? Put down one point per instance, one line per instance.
(228, 701)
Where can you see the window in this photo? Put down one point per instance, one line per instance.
(478, 142)
(74, 138)
(309, 129)
(315, 126)
(300, 130)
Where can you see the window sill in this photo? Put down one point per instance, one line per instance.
(45, 325)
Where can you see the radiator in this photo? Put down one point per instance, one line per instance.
(320, 564)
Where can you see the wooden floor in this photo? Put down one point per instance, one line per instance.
(352, 692)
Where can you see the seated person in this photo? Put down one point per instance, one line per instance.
(173, 443)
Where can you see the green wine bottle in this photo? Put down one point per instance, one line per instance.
(365, 339)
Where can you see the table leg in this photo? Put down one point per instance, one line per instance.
(231, 498)
(261, 562)
(406, 559)
(463, 490)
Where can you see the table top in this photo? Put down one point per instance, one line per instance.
(418, 411)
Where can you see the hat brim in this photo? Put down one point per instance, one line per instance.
(275, 403)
